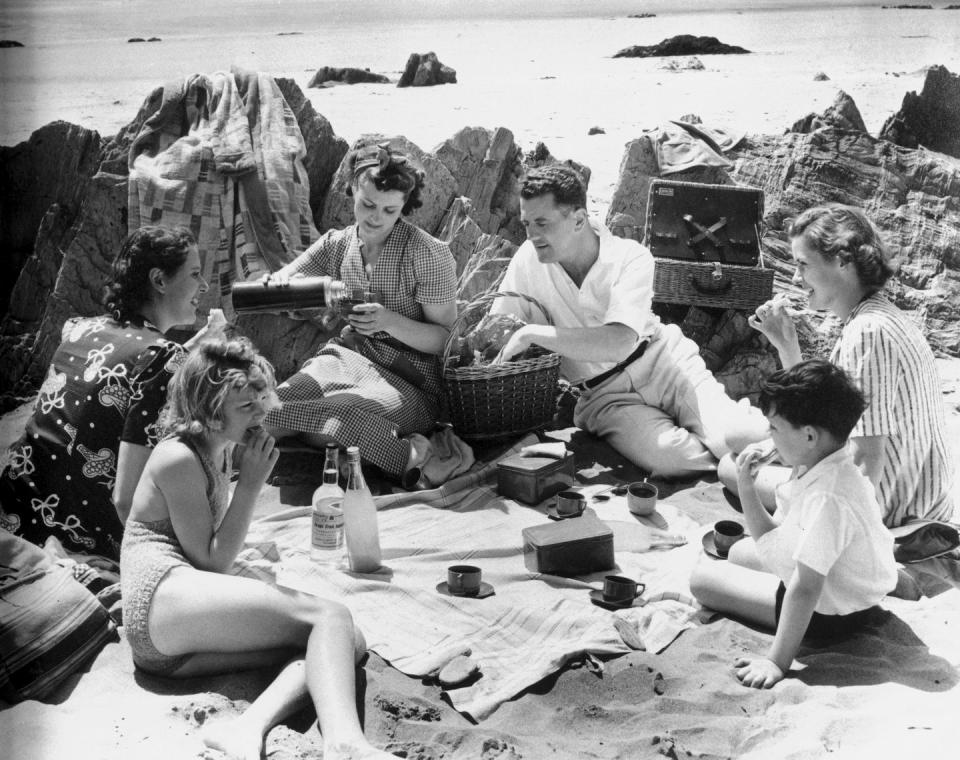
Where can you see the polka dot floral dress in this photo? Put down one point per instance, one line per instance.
(107, 383)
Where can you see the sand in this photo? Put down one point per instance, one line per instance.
(889, 691)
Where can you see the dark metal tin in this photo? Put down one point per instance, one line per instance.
(533, 479)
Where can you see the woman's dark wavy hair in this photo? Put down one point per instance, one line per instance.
(128, 288)
(200, 386)
(387, 170)
(814, 392)
(845, 232)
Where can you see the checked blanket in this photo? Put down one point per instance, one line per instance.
(222, 155)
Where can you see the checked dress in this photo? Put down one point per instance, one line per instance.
(368, 392)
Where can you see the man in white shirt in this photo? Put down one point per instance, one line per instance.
(644, 388)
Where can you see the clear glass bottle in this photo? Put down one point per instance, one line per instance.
(360, 519)
(326, 536)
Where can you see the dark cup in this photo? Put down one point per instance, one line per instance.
(570, 503)
(463, 580)
(642, 498)
(725, 534)
(618, 589)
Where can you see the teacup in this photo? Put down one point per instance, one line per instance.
(618, 589)
(642, 498)
(464, 580)
(725, 534)
(570, 503)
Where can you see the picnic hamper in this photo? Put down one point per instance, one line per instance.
(706, 245)
(499, 400)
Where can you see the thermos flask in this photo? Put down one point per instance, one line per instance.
(299, 293)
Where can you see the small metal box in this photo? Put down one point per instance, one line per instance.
(576, 546)
(533, 479)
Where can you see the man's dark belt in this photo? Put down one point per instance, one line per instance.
(593, 382)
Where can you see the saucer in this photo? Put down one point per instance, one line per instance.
(709, 546)
(554, 515)
(596, 596)
(485, 590)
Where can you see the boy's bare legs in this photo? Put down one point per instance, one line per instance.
(769, 476)
(735, 590)
(225, 618)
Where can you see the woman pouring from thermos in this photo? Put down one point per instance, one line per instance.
(377, 386)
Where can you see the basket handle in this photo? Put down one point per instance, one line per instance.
(478, 303)
(721, 282)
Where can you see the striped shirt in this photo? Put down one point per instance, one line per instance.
(894, 366)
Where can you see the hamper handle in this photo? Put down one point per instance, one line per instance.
(721, 282)
(476, 304)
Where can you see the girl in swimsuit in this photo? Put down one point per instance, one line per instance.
(183, 614)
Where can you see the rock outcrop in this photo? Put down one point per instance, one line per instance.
(930, 119)
(681, 44)
(426, 70)
(842, 114)
(328, 74)
(913, 195)
(50, 169)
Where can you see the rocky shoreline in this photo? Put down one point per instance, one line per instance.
(64, 213)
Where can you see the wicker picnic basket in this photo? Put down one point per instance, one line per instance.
(493, 401)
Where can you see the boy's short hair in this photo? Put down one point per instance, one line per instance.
(562, 182)
(814, 392)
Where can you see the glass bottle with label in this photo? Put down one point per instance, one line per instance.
(326, 537)
(360, 519)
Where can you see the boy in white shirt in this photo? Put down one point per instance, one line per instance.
(820, 565)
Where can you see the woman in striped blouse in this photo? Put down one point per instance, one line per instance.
(900, 441)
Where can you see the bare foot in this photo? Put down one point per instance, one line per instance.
(234, 738)
(356, 752)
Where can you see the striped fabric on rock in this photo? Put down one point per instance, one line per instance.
(888, 355)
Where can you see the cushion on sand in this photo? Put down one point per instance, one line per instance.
(50, 624)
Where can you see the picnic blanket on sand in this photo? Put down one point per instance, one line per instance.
(529, 628)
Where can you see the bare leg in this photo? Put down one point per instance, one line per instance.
(768, 478)
(242, 738)
(213, 614)
(738, 591)
(744, 553)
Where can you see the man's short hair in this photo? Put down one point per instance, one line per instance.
(814, 392)
(562, 182)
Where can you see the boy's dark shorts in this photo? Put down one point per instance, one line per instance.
(830, 626)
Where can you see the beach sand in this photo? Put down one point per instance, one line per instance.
(891, 692)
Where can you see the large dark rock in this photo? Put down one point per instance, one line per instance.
(325, 150)
(347, 75)
(842, 114)
(425, 71)
(63, 278)
(486, 166)
(51, 168)
(681, 44)
(930, 119)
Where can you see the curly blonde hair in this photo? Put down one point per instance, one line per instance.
(200, 386)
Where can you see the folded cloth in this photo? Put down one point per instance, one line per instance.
(917, 540)
(678, 150)
(549, 449)
(654, 626)
(443, 456)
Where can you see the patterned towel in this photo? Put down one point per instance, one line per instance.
(528, 629)
(223, 156)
